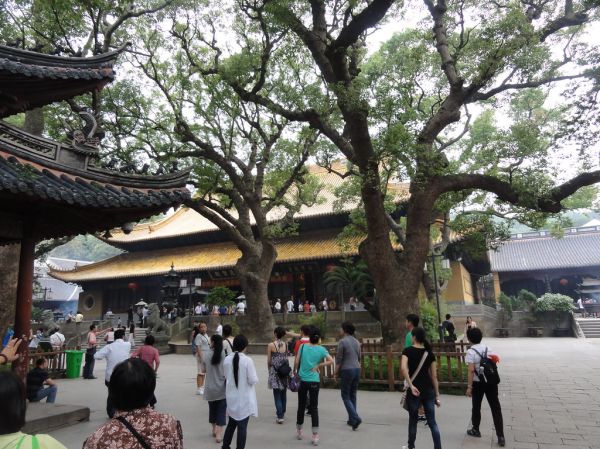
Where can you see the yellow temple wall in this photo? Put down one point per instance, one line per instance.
(460, 287)
(95, 311)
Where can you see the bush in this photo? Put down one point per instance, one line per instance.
(221, 296)
(507, 308)
(315, 320)
(429, 320)
(554, 302)
(526, 300)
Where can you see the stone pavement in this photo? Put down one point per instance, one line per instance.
(550, 394)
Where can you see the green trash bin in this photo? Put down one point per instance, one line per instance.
(74, 359)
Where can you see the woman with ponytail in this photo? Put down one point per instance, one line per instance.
(240, 394)
(419, 372)
(310, 358)
(214, 386)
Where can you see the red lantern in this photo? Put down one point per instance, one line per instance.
(132, 286)
(563, 282)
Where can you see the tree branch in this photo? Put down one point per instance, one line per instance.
(507, 192)
(112, 28)
(480, 96)
(367, 18)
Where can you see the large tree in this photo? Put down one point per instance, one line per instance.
(249, 175)
(485, 54)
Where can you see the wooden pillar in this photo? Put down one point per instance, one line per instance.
(24, 303)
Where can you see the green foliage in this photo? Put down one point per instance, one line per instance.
(317, 320)
(221, 296)
(36, 313)
(429, 320)
(554, 302)
(352, 277)
(507, 308)
(525, 300)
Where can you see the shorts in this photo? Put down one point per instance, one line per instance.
(217, 412)
(201, 365)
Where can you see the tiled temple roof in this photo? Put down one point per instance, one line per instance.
(536, 251)
(188, 222)
(62, 189)
(214, 256)
(22, 70)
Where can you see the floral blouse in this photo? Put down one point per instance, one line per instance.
(159, 430)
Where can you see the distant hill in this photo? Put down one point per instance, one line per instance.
(577, 218)
(85, 247)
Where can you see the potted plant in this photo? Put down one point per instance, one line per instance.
(505, 315)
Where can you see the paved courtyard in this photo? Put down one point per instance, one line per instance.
(550, 394)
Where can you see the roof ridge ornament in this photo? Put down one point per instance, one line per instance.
(90, 135)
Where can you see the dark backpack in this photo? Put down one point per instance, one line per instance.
(488, 371)
(284, 369)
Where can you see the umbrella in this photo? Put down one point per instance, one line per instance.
(242, 296)
(141, 303)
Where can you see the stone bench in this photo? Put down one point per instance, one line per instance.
(501, 332)
(535, 331)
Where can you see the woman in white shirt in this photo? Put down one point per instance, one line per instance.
(240, 394)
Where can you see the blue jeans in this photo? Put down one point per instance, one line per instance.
(242, 430)
(280, 397)
(49, 393)
(428, 401)
(349, 385)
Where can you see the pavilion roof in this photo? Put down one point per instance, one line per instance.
(537, 251)
(186, 221)
(208, 257)
(30, 80)
(62, 189)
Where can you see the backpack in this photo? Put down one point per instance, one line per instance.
(284, 369)
(488, 371)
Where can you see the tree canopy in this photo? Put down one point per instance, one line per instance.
(486, 109)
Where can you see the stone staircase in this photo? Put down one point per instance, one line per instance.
(590, 327)
(139, 336)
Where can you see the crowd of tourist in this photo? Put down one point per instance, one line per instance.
(227, 378)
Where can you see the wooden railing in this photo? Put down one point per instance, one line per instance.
(382, 366)
(57, 361)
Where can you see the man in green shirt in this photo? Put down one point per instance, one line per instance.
(412, 321)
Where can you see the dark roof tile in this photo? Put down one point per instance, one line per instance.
(579, 248)
(22, 178)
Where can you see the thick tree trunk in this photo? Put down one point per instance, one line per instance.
(396, 277)
(9, 273)
(34, 121)
(254, 271)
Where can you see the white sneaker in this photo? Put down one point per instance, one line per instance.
(200, 391)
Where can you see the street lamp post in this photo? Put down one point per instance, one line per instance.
(445, 264)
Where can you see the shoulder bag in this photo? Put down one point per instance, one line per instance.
(403, 401)
(135, 433)
(294, 384)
